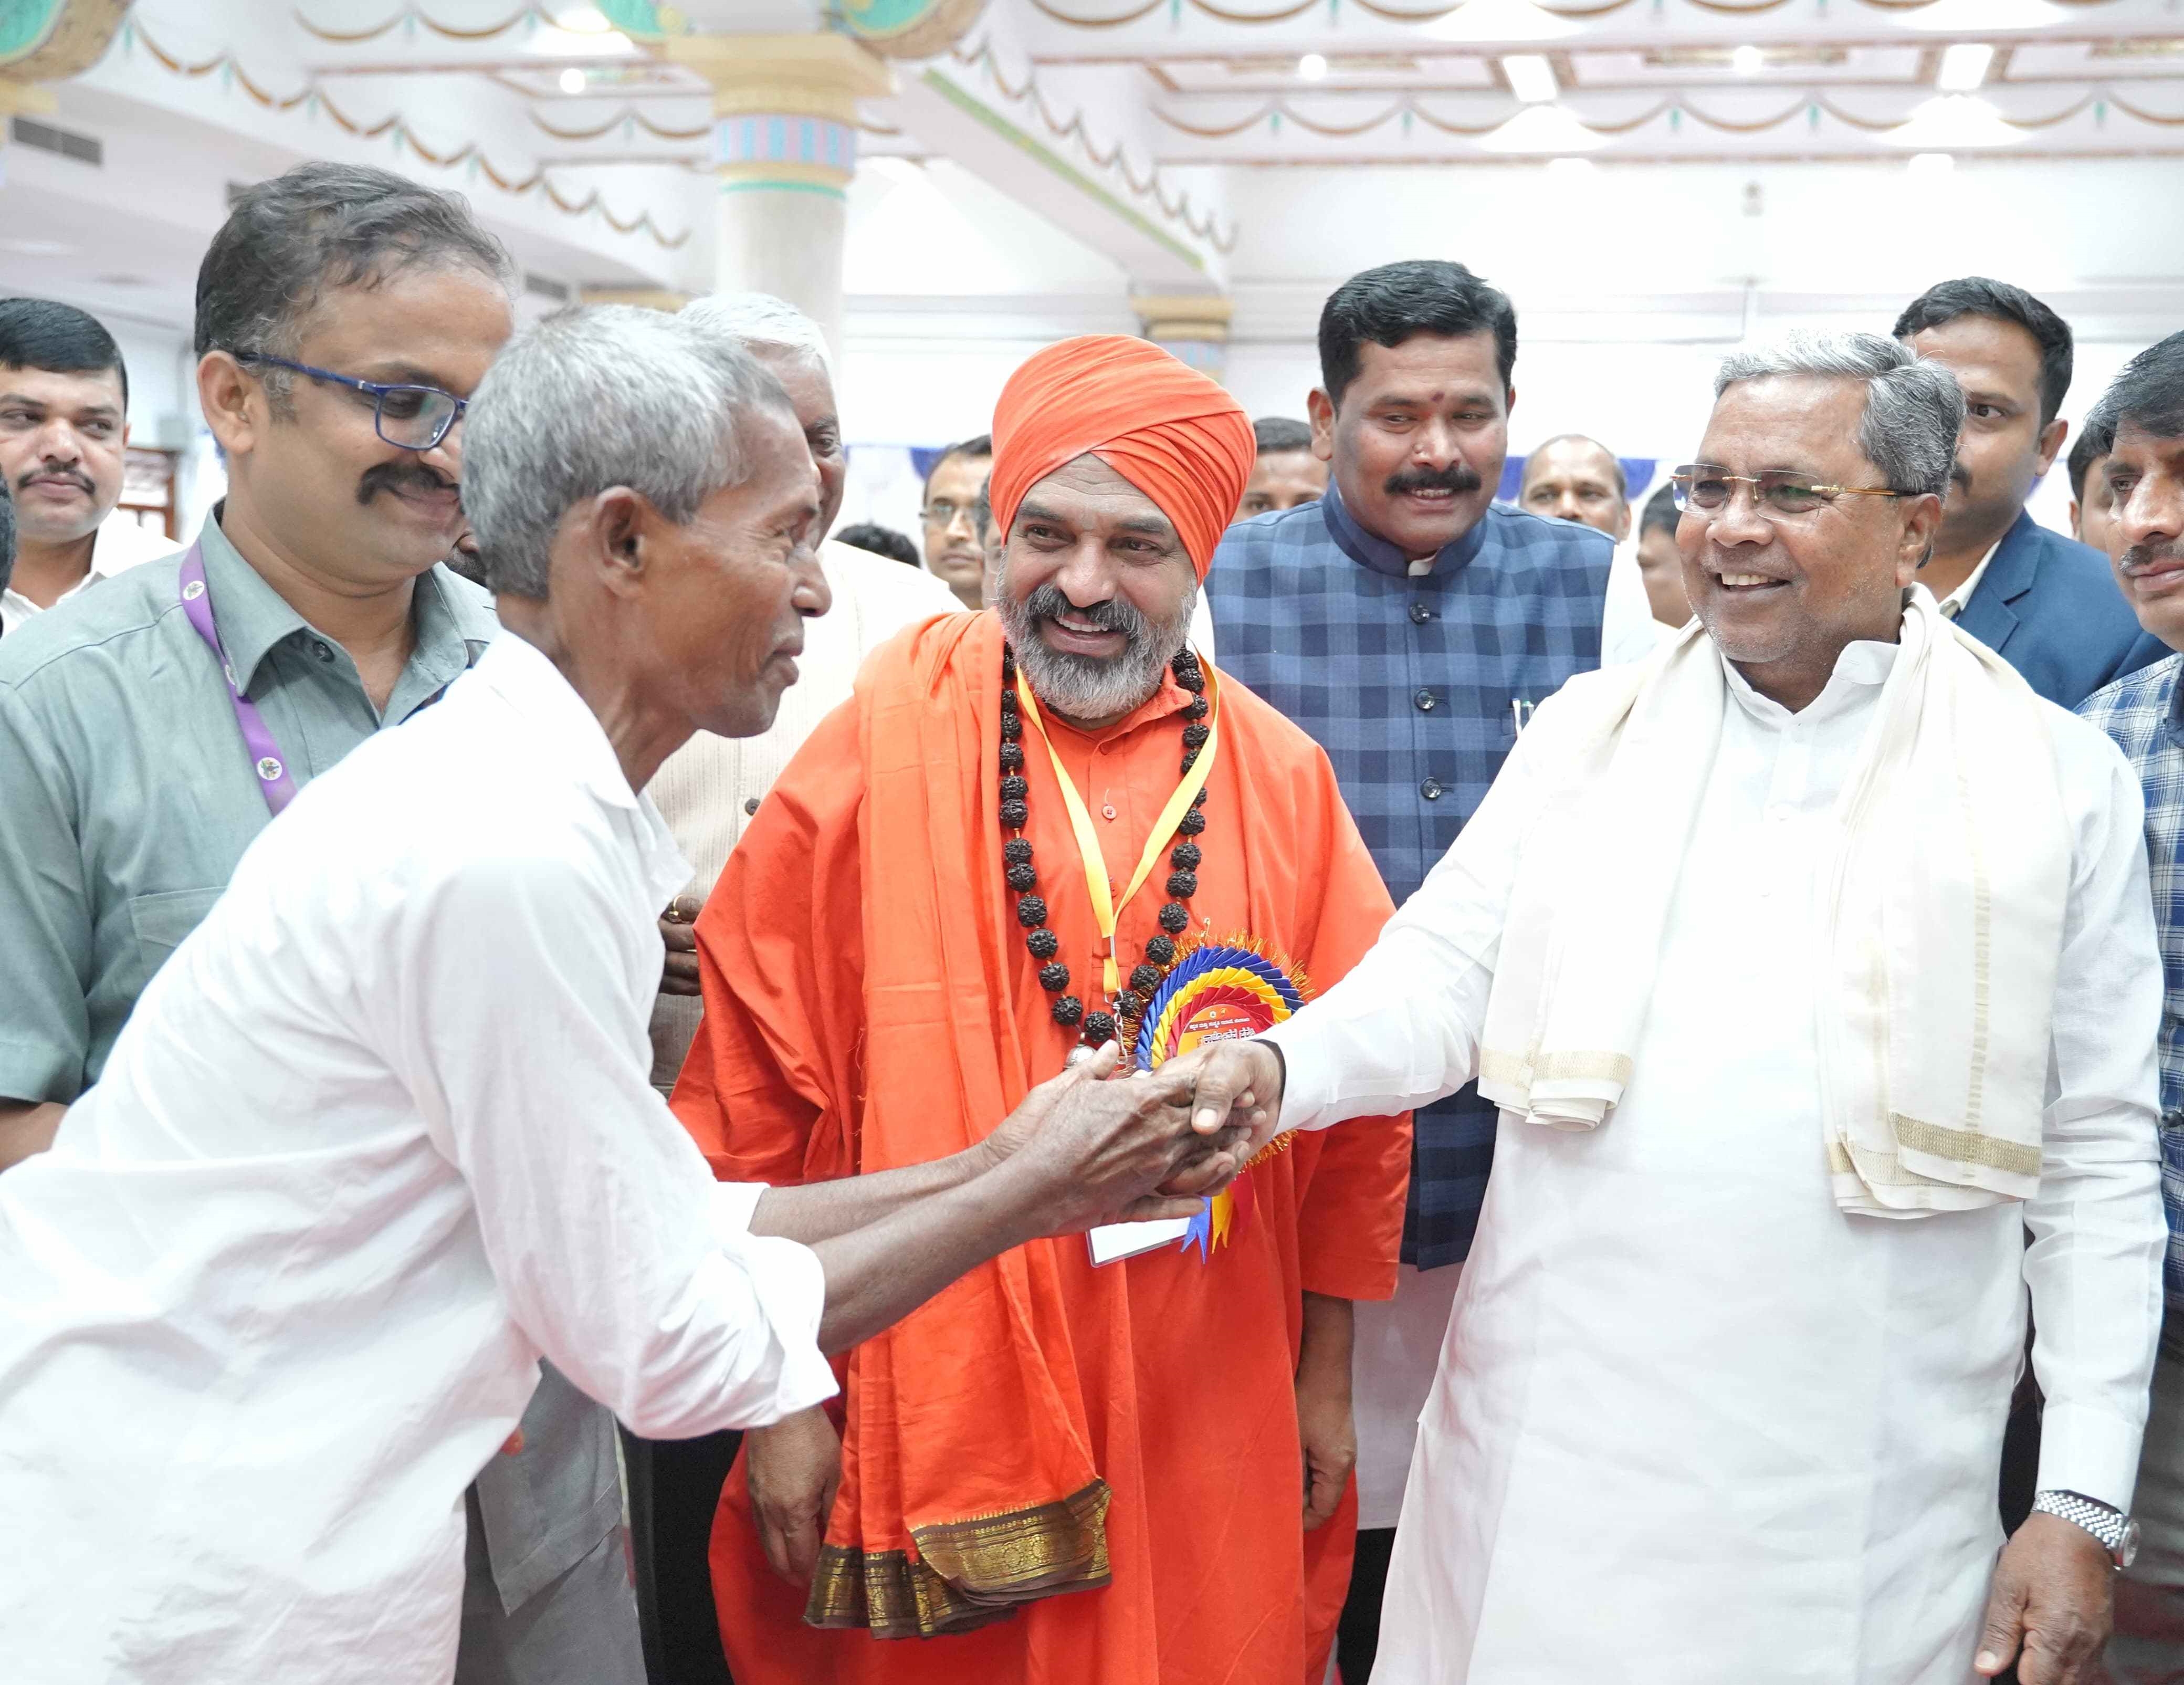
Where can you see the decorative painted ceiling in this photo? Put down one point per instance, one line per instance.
(1124, 121)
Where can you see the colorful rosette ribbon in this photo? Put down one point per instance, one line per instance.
(1219, 991)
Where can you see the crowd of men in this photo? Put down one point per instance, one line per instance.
(1659, 1030)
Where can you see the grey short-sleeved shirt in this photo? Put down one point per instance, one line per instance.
(126, 796)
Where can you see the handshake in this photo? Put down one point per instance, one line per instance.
(1087, 1148)
(1093, 1146)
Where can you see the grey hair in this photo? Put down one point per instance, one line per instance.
(1914, 410)
(594, 397)
(288, 241)
(760, 321)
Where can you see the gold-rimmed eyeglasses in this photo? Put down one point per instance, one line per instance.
(1706, 489)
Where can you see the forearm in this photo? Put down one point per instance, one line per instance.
(27, 1127)
(878, 1274)
(823, 1211)
(2094, 1270)
(1323, 1351)
(1398, 1033)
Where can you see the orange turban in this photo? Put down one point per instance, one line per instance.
(1169, 430)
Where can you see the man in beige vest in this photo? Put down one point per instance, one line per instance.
(707, 791)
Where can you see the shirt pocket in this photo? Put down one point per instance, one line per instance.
(161, 921)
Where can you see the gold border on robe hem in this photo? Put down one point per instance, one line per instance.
(965, 1574)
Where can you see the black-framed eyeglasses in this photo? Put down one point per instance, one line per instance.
(1701, 487)
(410, 417)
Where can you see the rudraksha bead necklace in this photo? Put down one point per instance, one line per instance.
(1119, 1021)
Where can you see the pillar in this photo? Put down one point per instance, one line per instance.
(784, 148)
(1193, 327)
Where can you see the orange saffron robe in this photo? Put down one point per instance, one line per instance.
(869, 1002)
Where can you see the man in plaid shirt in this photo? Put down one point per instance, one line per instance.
(2139, 426)
(1410, 626)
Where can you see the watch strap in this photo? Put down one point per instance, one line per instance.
(2103, 1522)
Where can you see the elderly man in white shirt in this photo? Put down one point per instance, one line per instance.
(710, 788)
(1810, 964)
(380, 1134)
(708, 791)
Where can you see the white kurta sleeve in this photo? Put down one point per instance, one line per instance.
(620, 1256)
(1401, 1029)
(2094, 1263)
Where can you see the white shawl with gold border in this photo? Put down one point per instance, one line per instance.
(1941, 896)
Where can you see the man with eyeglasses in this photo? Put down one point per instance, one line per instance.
(1809, 965)
(149, 731)
(953, 552)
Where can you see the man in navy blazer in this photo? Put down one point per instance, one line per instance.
(2047, 604)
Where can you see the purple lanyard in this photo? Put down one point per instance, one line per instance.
(273, 779)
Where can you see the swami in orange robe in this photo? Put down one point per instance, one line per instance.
(1052, 1472)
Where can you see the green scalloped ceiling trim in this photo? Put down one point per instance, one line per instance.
(1046, 159)
(24, 24)
(639, 18)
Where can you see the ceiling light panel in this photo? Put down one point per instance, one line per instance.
(1964, 66)
(1531, 78)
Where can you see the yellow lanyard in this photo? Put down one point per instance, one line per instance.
(1105, 909)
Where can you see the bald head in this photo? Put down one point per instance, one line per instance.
(1578, 479)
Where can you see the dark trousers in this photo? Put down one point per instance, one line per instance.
(674, 1487)
(1357, 1639)
(2020, 1468)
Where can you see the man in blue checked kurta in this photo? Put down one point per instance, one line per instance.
(2138, 428)
(1410, 626)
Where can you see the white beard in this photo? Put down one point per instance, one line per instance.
(1081, 686)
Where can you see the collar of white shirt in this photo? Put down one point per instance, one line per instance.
(1862, 667)
(1953, 604)
(121, 545)
(562, 726)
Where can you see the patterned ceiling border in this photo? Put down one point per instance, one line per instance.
(628, 116)
(1206, 227)
(413, 16)
(313, 99)
(1278, 111)
(1283, 10)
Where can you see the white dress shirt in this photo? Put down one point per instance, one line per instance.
(122, 542)
(376, 1137)
(1761, 1434)
(1955, 603)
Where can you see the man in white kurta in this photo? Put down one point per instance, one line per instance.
(1723, 1393)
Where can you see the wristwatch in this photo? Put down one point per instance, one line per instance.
(2117, 1532)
